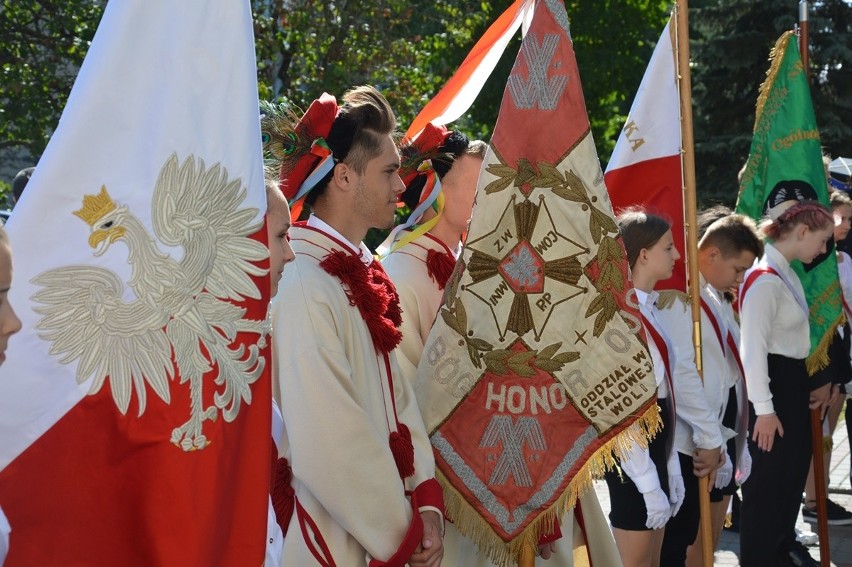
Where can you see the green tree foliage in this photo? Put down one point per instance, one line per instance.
(831, 68)
(409, 48)
(730, 48)
(406, 48)
(42, 45)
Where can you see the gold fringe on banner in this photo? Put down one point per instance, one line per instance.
(818, 359)
(775, 58)
(502, 553)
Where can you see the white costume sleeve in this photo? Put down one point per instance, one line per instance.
(641, 469)
(419, 298)
(690, 400)
(424, 460)
(409, 350)
(756, 317)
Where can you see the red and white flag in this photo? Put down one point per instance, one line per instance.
(135, 404)
(645, 168)
(461, 90)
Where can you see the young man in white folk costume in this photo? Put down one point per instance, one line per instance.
(715, 410)
(363, 470)
(441, 169)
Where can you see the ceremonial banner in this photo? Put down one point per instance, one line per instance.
(533, 376)
(135, 404)
(645, 168)
(785, 163)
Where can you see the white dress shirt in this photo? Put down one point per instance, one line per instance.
(638, 464)
(773, 321)
(647, 302)
(698, 423)
(844, 271)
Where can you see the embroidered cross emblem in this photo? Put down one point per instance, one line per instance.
(525, 268)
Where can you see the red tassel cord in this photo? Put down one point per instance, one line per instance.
(283, 496)
(380, 278)
(440, 266)
(403, 450)
(370, 290)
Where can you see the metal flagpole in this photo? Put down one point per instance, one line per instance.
(690, 224)
(816, 414)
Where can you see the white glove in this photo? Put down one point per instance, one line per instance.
(659, 509)
(744, 467)
(677, 492)
(724, 473)
(5, 530)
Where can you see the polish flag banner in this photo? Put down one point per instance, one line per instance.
(645, 168)
(135, 403)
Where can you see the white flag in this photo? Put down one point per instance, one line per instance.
(135, 403)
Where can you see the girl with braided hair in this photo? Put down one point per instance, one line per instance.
(774, 343)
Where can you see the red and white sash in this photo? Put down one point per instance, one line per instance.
(729, 346)
(664, 348)
(761, 270)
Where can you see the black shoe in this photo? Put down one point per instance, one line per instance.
(800, 557)
(837, 514)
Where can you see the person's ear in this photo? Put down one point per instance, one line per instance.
(801, 231)
(342, 175)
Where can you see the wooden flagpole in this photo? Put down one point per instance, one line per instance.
(816, 414)
(527, 558)
(690, 224)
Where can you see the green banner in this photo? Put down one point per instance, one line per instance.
(785, 162)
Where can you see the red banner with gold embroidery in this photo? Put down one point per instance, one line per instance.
(533, 377)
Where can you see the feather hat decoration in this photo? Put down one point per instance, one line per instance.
(297, 146)
(423, 148)
(278, 129)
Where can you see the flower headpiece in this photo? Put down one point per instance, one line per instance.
(419, 158)
(298, 148)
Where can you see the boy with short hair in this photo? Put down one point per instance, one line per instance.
(728, 247)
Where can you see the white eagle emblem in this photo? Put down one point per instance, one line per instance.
(182, 316)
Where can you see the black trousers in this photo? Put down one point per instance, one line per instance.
(682, 529)
(772, 494)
